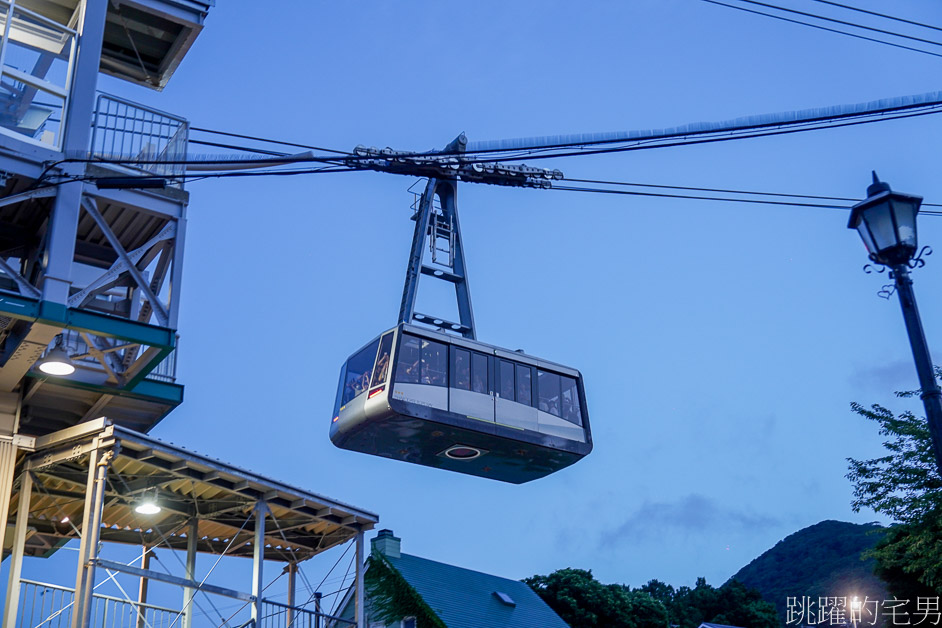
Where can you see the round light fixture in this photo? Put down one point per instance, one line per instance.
(462, 452)
(147, 508)
(147, 504)
(57, 362)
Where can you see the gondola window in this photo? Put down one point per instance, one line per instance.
(410, 356)
(507, 380)
(381, 370)
(434, 363)
(548, 387)
(524, 388)
(570, 395)
(479, 373)
(462, 369)
(358, 372)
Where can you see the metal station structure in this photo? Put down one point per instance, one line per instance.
(94, 270)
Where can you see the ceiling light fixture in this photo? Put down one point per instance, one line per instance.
(57, 361)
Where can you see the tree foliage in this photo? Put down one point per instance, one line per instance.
(582, 601)
(906, 486)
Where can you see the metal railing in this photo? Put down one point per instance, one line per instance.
(44, 605)
(278, 615)
(145, 140)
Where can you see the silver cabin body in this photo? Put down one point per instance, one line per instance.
(448, 402)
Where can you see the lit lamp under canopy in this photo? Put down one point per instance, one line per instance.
(57, 361)
(147, 504)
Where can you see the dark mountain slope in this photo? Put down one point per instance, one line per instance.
(822, 560)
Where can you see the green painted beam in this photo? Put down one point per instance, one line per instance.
(121, 328)
(144, 372)
(146, 390)
(56, 314)
(19, 307)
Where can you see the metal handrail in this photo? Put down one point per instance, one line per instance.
(101, 596)
(284, 608)
(144, 139)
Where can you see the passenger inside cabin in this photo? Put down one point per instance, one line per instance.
(382, 366)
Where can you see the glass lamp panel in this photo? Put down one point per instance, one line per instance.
(864, 232)
(880, 224)
(905, 213)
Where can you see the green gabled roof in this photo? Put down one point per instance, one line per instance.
(466, 599)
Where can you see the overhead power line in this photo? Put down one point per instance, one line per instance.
(728, 191)
(823, 28)
(269, 141)
(843, 22)
(724, 199)
(527, 147)
(681, 136)
(823, 115)
(718, 194)
(883, 15)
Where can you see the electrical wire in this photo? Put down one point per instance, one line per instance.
(686, 141)
(526, 151)
(823, 28)
(235, 147)
(269, 141)
(883, 15)
(546, 152)
(727, 191)
(566, 188)
(843, 22)
(726, 199)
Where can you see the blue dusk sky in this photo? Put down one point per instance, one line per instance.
(721, 343)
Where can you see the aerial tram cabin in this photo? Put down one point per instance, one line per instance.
(444, 401)
(437, 397)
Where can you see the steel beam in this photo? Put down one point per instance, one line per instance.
(78, 112)
(192, 538)
(142, 588)
(360, 594)
(91, 207)
(24, 354)
(91, 530)
(258, 560)
(292, 570)
(7, 466)
(425, 230)
(16, 558)
(25, 287)
(174, 580)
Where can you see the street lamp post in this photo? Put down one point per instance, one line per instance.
(886, 222)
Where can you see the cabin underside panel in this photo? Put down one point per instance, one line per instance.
(425, 440)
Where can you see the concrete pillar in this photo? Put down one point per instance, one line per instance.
(16, 558)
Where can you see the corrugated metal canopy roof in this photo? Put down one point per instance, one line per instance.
(220, 496)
